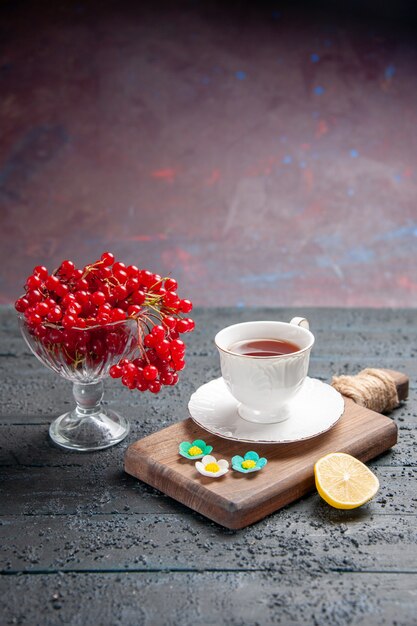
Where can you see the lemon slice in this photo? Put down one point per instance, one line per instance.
(343, 481)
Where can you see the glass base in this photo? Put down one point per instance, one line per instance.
(84, 433)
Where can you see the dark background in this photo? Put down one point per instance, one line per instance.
(265, 153)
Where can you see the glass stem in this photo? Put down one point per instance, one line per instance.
(88, 398)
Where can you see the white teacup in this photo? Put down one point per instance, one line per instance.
(263, 384)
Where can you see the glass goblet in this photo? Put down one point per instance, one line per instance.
(84, 356)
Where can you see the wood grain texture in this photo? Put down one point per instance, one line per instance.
(237, 500)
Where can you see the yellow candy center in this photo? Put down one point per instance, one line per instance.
(194, 450)
(212, 467)
(248, 464)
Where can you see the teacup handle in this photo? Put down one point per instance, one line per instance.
(300, 321)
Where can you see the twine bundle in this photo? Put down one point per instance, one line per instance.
(372, 388)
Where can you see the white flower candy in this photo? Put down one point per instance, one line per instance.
(209, 466)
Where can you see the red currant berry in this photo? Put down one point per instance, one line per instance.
(55, 314)
(98, 298)
(77, 274)
(61, 290)
(104, 318)
(74, 308)
(120, 275)
(186, 306)
(69, 321)
(158, 332)
(154, 386)
(132, 271)
(166, 378)
(107, 258)
(171, 300)
(179, 364)
(132, 285)
(149, 341)
(21, 304)
(138, 297)
(171, 284)
(67, 268)
(130, 369)
(33, 282)
(120, 292)
(105, 308)
(41, 271)
(169, 321)
(181, 326)
(150, 372)
(41, 331)
(35, 319)
(129, 382)
(141, 385)
(83, 297)
(191, 324)
(82, 285)
(117, 315)
(134, 310)
(68, 300)
(162, 348)
(177, 346)
(146, 278)
(52, 282)
(34, 296)
(105, 273)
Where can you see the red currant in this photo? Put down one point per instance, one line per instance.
(154, 386)
(132, 271)
(67, 268)
(52, 282)
(138, 297)
(98, 298)
(171, 284)
(69, 321)
(21, 304)
(116, 371)
(55, 314)
(158, 332)
(150, 372)
(41, 271)
(107, 258)
(33, 282)
(118, 315)
(169, 321)
(34, 296)
(134, 310)
(186, 306)
(177, 346)
(120, 292)
(120, 274)
(103, 293)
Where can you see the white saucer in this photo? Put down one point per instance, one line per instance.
(314, 410)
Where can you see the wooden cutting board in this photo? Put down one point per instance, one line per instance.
(237, 500)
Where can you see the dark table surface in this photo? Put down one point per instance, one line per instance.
(82, 542)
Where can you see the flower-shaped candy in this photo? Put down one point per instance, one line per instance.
(195, 450)
(208, 466)
(248, 463)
